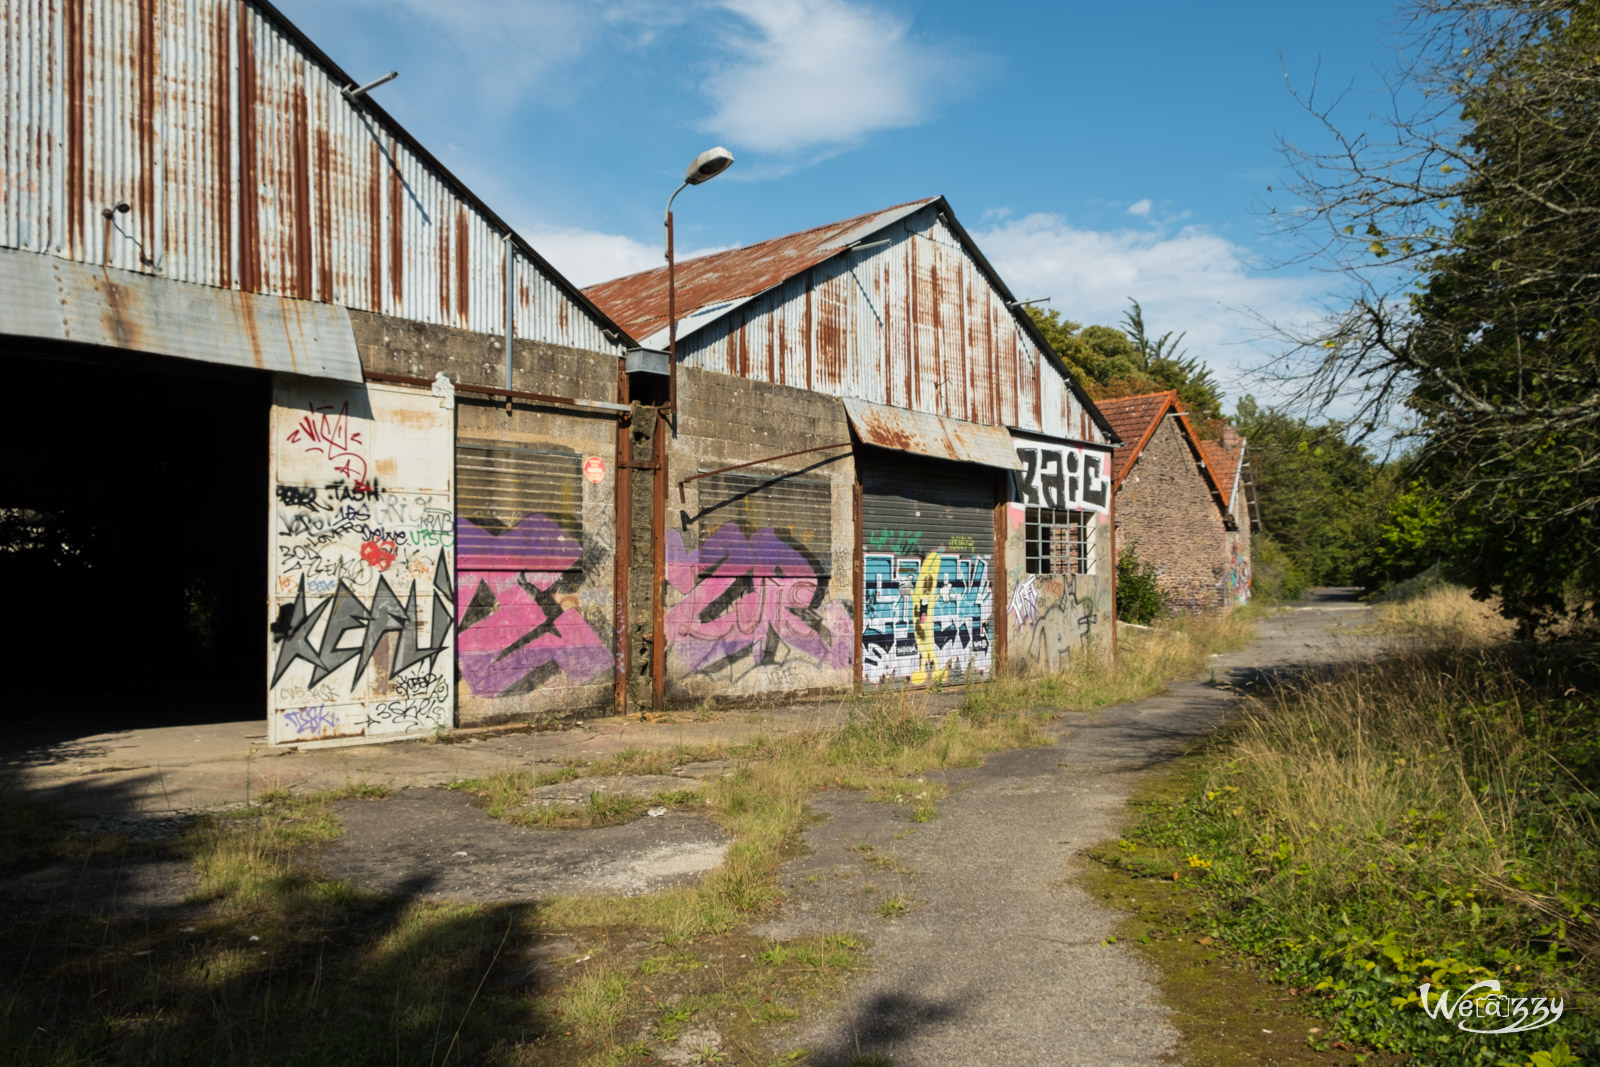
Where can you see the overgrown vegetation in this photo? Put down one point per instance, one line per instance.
(274, 963)
(1431, 817)
(1140, 599)
(1463, 221)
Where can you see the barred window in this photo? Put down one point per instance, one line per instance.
(1058, 542)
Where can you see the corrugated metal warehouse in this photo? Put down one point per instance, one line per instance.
(922, 492)
(269, 304)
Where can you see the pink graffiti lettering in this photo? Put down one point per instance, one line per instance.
(747, 594)
(515, 635)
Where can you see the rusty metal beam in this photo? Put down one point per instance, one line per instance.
(754, 462)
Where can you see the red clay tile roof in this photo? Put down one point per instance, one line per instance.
(638, 302)
(1224, 457)
(1135, 419)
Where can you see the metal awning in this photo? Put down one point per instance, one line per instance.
(58, 300)
(931, 435)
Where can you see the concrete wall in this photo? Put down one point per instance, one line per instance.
(755, 609)
(1168, 515)
(1051, 618)
(1236, 548)
(535, 599)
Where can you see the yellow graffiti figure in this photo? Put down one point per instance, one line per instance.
(922, 601)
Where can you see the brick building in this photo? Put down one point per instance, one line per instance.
(1184, 503)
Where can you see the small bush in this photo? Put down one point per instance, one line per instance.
(1139, 599)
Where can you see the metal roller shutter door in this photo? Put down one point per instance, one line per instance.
(927, 530)
(519, 555)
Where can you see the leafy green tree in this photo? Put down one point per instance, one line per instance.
(1323, 500)
(1470, 233)
(1109, 361)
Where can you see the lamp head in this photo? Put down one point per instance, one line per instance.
(707, 165)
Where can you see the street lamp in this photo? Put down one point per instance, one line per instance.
(706, 165)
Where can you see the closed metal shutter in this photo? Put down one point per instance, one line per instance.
(927, 530)
(798, 511)
(519, 554)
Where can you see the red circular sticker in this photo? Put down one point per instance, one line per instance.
(594, 469)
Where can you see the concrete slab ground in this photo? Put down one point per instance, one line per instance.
(982, 949)
(167, 770)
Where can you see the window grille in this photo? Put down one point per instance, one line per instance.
(1058, 542)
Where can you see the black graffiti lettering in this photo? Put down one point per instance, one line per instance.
(1072, 478)
(386, 615)
(1094, 483)
(1030, 475)
(295, 496)
(1051, 480)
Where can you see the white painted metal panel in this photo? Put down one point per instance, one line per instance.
(363, 532)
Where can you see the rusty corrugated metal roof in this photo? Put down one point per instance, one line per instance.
(242, 164)
(931, 435)
(713, 285)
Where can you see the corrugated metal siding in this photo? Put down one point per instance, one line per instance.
(914, 324)
(244, 167)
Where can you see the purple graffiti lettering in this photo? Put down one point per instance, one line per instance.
(313, 720)
(514, 634)
(746, 594)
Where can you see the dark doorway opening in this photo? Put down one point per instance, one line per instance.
(133, 541)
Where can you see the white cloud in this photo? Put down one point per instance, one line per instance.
(511, 44)
(586, 257)
(1187, 279)
(813, 74)
(1140, 207)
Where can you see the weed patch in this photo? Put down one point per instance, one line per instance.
(1431, 817)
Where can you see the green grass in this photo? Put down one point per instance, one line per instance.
(1432, 817)
(338, 975)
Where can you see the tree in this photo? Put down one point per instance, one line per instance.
(1323, 500)
(1471, 235)
(1111, 362)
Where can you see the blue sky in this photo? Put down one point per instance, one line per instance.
(1096, 152)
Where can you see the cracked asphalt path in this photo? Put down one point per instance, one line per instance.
(998, 958)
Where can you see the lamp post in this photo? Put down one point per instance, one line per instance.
(704, 167)
(707, 165)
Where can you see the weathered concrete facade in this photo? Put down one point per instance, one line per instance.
(758, 560)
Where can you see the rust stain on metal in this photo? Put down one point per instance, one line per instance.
(116, 315)
(463, 264)
(300, 161)
(375, 227)
(249, 136)
(221, 138)
(322, 164)
(145, 71)
(73, 31)
(442, 267)
(875, 431)
(396, 233)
